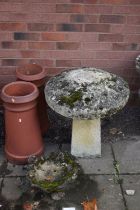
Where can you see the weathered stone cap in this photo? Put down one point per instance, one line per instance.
(86, 93)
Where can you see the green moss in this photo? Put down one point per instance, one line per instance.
(70, 167)
(48, 186)
(72, 98)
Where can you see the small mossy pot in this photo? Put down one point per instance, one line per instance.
(37, 75)
(23, 135)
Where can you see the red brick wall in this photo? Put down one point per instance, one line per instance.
(60, 34)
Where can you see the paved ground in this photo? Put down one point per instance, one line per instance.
(101, 181)
(106, 178)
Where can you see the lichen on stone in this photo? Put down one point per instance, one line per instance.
(55, 172)
(86, 93)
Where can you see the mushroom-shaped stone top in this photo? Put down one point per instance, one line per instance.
(86, 93)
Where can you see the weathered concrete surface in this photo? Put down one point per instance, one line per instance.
(132, 183)
(101, 187)
(49, 148)
(2, 158)
(15, 170)
(128, 155)
(86, 138)
(111, 197)
(10, 189)
(102, 165)
(86, 93)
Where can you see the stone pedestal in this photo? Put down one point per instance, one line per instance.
(86, 94)
(86, 138)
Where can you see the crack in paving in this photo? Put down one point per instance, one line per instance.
(117, 177)
(3, 170)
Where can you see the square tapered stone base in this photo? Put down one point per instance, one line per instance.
(86, 138)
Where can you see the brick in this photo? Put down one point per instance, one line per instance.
(26, 36)
(134, 20)
(20, 62)
(77, 1)
(68, 63)
(51, 18)
(5, 79)
(135, 29)
(90, 1)
(117, 28)
(6, 36)
(49, 1)
(84, 1)
(125, 46)
(35, 18)
(30, 54)
(19, 54)
(40, 27)
(7, 16)
(132, 10)
(112, 19)
(13, 26)
(67, 45)
(14, 45)
(53, 36)
(97, 27)
(42, 45)
(81, 37)
(68, 8)
(43, 62)
(132, 38)
(40, 7)
(10, 53)
(97, 46)
(54, 71)
(78, 18)
(11, 7)
(113, 2)
(67, 54)
(134, 2)
(134, 88)
(14, 62)
(130, 55)
(98, 9)
(107, 63)
(125, 29)
(69, 27)
(7, 70)
(111, 37)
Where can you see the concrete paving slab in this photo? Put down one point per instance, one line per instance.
(10, 189)
(50, 147)
(128, 155)
(66, 148)
(15, 170)
(101, 187)
(132, 183)
(19, 170)
(102, 165)
(2, 157)
(111, 197)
